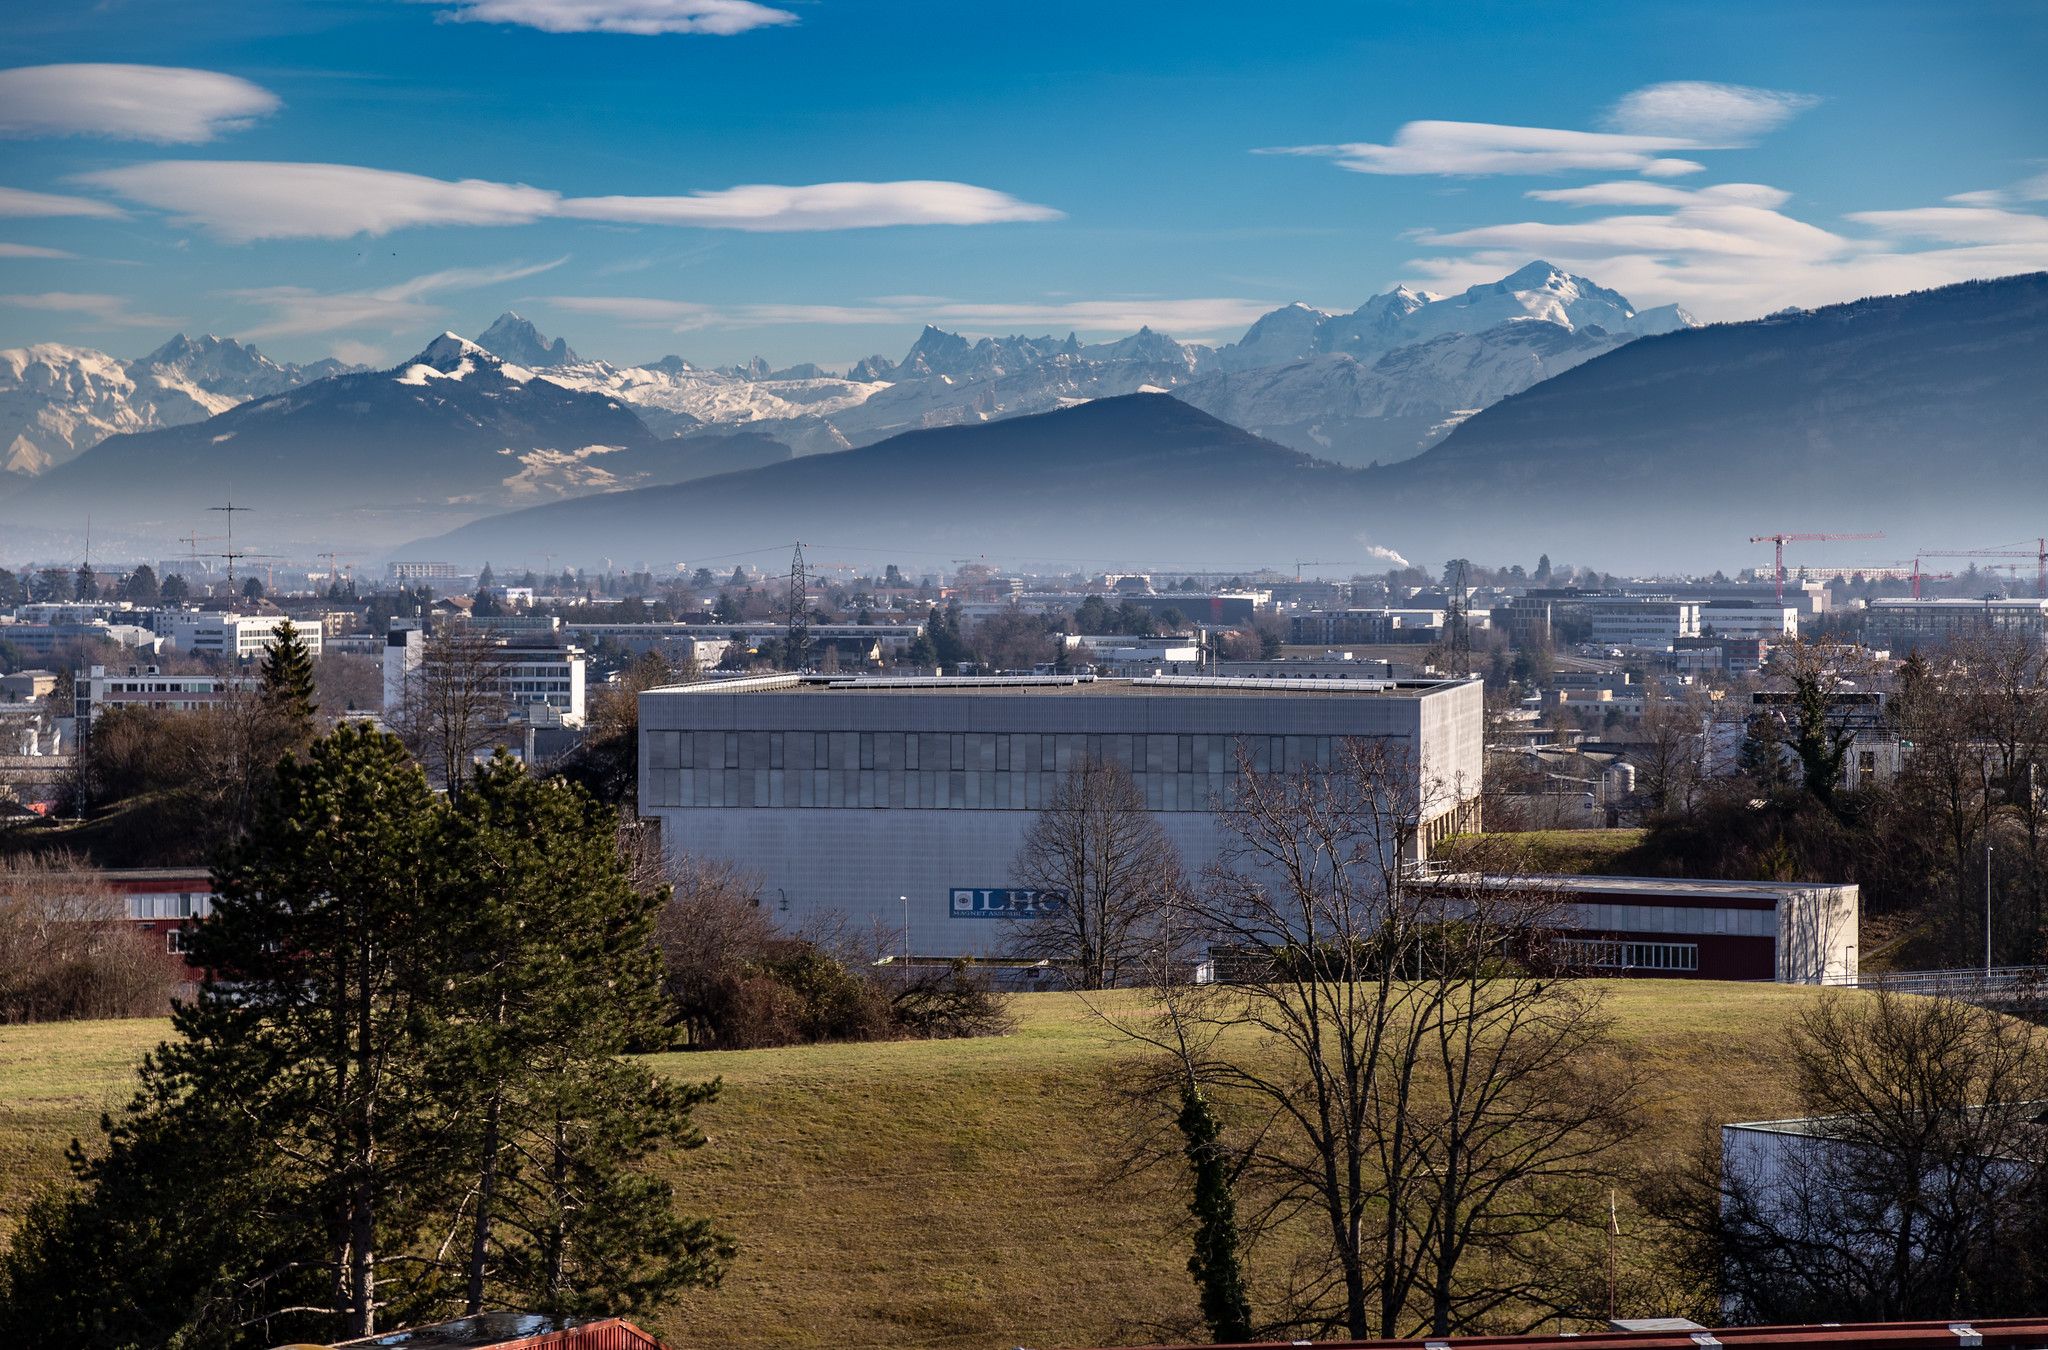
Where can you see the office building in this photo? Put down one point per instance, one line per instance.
(542, 683)
(861, 795)
(1902, 625)
(241, 636)
(1642, 621)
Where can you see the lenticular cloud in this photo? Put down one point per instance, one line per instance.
(643, 18)
(243, 201)
(165, 104)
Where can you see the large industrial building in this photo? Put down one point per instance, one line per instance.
(864, 796)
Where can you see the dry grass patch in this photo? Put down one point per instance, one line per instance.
(939, 1193)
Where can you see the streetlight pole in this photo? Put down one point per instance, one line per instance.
(1987, 910)
(906, 940)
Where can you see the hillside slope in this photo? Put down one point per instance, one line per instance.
(1924, 416)
(1139, 476)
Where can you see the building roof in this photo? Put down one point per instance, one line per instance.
(513, 1331)
(1068, 685)
(1672, 887)
(2012, 1332)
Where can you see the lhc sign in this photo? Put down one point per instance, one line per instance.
(1004, 904)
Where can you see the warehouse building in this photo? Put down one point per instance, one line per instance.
(867, 796)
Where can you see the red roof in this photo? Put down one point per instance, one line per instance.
(2030, 1333)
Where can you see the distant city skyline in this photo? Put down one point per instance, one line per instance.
(815, 181)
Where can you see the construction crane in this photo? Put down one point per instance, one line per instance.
(1318, 562)
(1783, 539)
(1904, 569)
(2039, 553)
(333, 571)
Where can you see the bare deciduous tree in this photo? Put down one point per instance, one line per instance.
(451, 701)
(1913, 1188)
(1421, 1111)
(1115, 871)
(67, 948)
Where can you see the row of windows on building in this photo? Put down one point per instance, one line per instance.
(1591, 953)
(941, 770)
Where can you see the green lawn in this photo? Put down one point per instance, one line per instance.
(943, 1193)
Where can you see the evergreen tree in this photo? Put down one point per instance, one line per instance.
(1215, 1265)
(88, 584)
(141, 584)
(410, 1101)
(288, 677)
(486, 578)
(1542, 569)
(563, 1220)
(253, 588)
(176, 588)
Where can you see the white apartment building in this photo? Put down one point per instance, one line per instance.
(538, 684)
(239, 635)
(1642, 621)
(96, 690)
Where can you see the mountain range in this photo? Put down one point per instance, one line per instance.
(57, 402)
(451, 434)
(1379, 383)
(1918, 416)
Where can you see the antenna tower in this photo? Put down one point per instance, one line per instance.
(798, 642)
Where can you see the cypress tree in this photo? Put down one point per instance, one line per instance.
(288, 676)
(1215, 1264)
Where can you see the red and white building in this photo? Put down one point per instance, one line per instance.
(1688, 929)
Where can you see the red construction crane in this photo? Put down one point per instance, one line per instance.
(2039, 553)
(1782, 539)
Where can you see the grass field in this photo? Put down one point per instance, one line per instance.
(942, 1193)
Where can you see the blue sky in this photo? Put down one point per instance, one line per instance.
(992, 167)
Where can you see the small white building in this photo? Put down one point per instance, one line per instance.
(1744, 619)
(1642, 621)
(241, 636)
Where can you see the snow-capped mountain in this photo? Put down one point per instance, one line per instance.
(449, 434)
(1362, 410)
(58, 401)
(518, 341)
(1382, 382)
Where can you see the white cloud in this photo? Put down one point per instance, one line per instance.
(165, 104)
(645, 18)
(820, 206)
(1178, 317)
(105, 311)
(1710, 114)
(1457, 149)
(399, 308)
(1958, 225)
(357, 353)
(31, 251)
(18, 202)
(242, 201)
(2032, 190)
(1730, 252)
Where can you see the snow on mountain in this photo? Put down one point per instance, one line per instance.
(514, 339)
(58, 401)
(1354, 411)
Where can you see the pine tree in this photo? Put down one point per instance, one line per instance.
(288, 677)
(563, 1219)
(486, 578)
